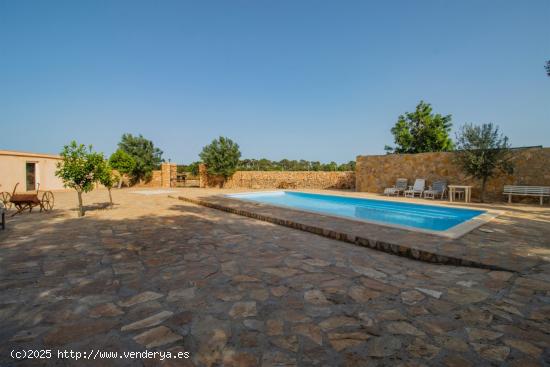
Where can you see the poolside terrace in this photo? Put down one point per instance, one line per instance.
(159, 273)
(515, 240)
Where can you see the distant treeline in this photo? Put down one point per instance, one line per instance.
(293, 165)
(282, 165)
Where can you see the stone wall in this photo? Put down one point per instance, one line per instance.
(166, 176)
(291, 180)
(155, 181)
(374, 173)
(203, 176)
(281, 180)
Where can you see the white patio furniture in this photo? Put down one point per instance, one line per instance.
(400, 186)
(454, 189)
(416, 189)
(540, 191)
(459, 194)
(438, 188)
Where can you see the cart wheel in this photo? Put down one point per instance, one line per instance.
(47, 201)
(5, 199)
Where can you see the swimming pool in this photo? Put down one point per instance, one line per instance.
(432, 218)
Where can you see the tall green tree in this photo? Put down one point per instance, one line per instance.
(421, 131)
(221, 157)
(483, 151)
(123, 163)
(78, 169)
(146, 156)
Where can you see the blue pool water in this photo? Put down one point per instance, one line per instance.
(428, 217)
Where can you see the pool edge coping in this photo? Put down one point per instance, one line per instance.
(452, 233)
(384, 246)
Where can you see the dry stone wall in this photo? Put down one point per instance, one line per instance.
(155, 181)
(291, 180)
(166, 176)
(374, 173)
(281, 180)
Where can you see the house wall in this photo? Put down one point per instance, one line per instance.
(12, 170)
(376, 172)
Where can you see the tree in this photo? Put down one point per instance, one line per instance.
(547, 67)
(221, 157)
(332, 166)
(193, 169)
(105, 176)
(123, 163)
(482, 151)
(350, 166)
(315, 166)
(78, 168)
(144, 153)
(421, 131)
(292, 165)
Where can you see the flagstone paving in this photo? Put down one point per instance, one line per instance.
(516, 240)
(160, 274)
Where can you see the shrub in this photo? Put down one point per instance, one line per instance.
(122, 162)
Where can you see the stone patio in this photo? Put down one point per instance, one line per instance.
(514, 241)
(161, 274)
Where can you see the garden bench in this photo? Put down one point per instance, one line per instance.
(540, 191)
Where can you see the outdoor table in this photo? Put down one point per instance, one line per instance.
(467, 192)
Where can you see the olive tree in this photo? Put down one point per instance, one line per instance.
(221, 157)
(483, 151)
(78, 169)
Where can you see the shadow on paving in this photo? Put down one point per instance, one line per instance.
(235, 291)
(508, 242)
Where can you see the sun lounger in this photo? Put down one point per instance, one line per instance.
(417, 188)
(438, 188)
(400, 186)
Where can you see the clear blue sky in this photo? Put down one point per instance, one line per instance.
(318, 80)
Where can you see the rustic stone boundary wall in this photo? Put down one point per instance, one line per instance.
(291, 180)
(374, 173)
(282, 180)
(166, 176)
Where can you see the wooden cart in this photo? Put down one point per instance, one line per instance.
(22, 201)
